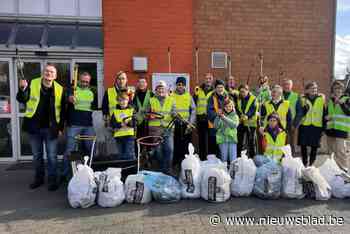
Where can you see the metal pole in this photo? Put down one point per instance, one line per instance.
(197, 62)
(169, 59)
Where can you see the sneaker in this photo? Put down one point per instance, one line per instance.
(36, 184)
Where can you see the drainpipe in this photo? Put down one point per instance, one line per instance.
(333, 41)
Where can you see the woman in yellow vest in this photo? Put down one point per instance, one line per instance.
(338, 124)
(186, 108)
(274, 138)
(312, 123)
(123, 125)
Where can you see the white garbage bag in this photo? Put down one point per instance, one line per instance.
(341, 186)
(82, 188)
(190, 175)
(242, 172)
(322, 189)
(111, 188)
(215, 184)
(292, 186)
(329, 169)
(136, 191)
(268, 180)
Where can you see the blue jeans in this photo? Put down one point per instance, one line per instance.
(164, 152)
(228, 151)
(71, 144)
(36, 142)
(125, 147)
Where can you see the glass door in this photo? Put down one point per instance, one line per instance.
(7, 123)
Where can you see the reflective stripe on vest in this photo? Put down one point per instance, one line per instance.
(112, 99)
(165, 110)
(282, 112)
(119, 115)
(293, 99)
(338, 119)
(252, 122)
(84, 99)
(314, 116)
(202, 101)
(142, 107)
(34, 99)
(274, 147)
(183, 104)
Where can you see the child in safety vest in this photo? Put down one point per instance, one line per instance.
(123, 124)
(274, 138)
(226, 131)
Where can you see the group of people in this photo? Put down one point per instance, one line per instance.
(227, 119)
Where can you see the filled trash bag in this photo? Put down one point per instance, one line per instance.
(215, 184)
(292, 184)
(136, 191)
(316, 186)
(190, 175)
(341, 186)
(82, 188)
(260, 160)
(242, 172)
(164, 188)
(111, 188)
(329, 169)
(268, 179)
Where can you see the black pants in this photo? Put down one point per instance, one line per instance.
(181, 141)
(202, 130)
(213, 148)
(246, 140)
(305, 157)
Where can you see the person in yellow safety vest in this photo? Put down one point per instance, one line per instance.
(201, 96)
(278, 105)
(43, 121)
(81, 103)
(275, 138)
(164, 105)
(295, 107)
(263, 92)
(247, 110)
(215, 106)
(186, 108)
(312, 123)
(232, 89)
(140, 103)
(123, 124)
(338, 124)
(110, 98)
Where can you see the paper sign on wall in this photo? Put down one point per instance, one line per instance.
(170, 79)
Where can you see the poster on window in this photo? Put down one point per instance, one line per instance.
(170, 79)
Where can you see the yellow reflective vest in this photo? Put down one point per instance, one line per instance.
(202, 101)
(120, 115)
(112, 99)
(164, 109)
(338, 119)
(314, 116)
(252, 122)
(84, 99)
(182, 104)
(34, 98)
(274, 147)
(282, 112)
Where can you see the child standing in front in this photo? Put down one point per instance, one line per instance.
(123, 123)
(226, 131)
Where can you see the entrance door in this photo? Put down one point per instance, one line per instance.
(7, 107)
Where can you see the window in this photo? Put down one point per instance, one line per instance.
(29, 34)
(60, 35)
(90, 37)
(91, 8)
(7, 6)
(32, 7)
(5, 31)
(62, 7)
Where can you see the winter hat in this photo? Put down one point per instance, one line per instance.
(181, 79)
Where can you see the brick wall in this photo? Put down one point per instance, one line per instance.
(147, 28)
(295, 36)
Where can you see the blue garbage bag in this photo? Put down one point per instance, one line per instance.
(260, 160)
(164, 188)
(268, 180)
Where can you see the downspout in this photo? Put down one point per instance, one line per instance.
(333, 41)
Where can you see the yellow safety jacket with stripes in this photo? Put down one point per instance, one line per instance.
(338, 119)
(282, 112)
(202, 101)
(84, 99)
(274, 147)
(120, 115)
(314, 116)
(182, 104)
(164, 109)
(251, 122)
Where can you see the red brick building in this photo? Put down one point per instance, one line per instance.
(295, 36)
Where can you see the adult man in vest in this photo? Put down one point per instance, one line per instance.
(278, 105)
(186, 108)
(163, 104)
(215, 106)
(81, 103)
(338, 124)
(247, 111)
(110, 98)
(140, 103)
(295, 107)
(200, 97)
(44, 118)
(232, 89)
